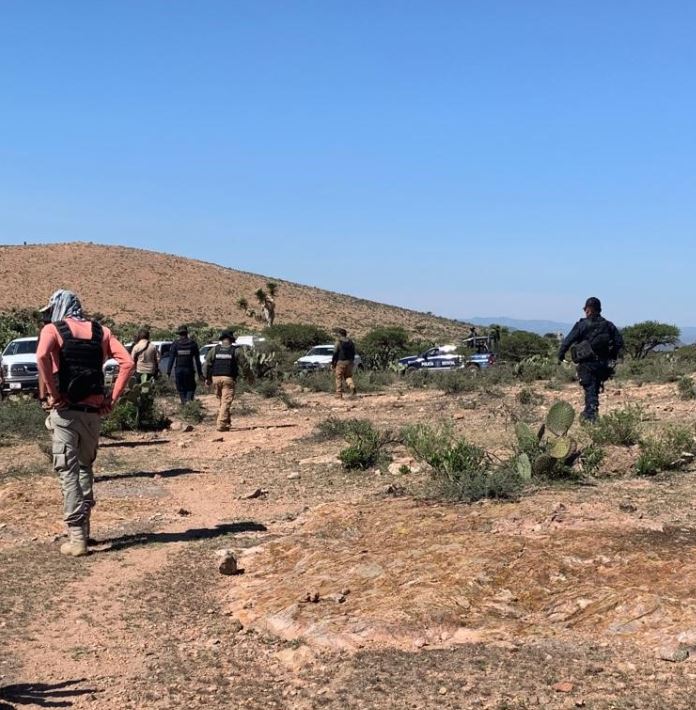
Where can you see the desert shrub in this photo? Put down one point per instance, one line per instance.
(520, 345)
(17, 323)
(365, 446)
(461, 470)
(317, 381)
(656, 367)
(686, 388)
(620, 427)
(21, 419)
(374, 380)
(334, 428)
(288, 400)
(591, 459)
(242, 408)
(192, 412)
(384, 345)
(535, 367)
(455, 382)
(268, 388)
(297, 336)
(671, 450)
(527, 397)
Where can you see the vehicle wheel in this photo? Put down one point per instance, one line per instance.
(410, 370)
(472, 368)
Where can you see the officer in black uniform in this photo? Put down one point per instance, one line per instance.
(223, 365)
(184, 356)
(594, 345)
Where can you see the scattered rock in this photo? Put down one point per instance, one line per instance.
(217, 439)
(293, 476)
(393, 489)
(183, 512)
(186, 428)
(236, 626)
(675, 653)
(182, 445)
(310, 598)
(296, 658)
(565, 686)
(443, 690)
(257, 493)
(228, 562)
(627, 508)
(176, 425)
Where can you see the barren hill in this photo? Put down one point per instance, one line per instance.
(140, 286)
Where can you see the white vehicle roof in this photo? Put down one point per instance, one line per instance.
(23, 340)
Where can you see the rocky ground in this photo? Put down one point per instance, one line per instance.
(356, 591)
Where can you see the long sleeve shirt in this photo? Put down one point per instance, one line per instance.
(48, 358)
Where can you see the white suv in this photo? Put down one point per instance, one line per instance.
(19, 370)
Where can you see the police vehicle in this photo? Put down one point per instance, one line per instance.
(452, 357)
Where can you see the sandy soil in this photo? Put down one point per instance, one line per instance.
(573, 596)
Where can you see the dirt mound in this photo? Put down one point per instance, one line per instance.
(139, 286)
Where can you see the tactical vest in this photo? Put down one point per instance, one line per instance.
(346, 350)
(184, 354)
(80, 363)
(598, 344)
(225, 362)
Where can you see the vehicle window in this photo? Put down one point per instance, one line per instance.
(164, 349)
(432, 352)
(321, 351)
(21, 347)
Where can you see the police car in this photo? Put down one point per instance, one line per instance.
(449, 357)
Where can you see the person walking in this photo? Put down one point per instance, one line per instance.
(222, 367)
(342, 363)
(185, 357)
(70, 356)
(145, 357)
(594, 343)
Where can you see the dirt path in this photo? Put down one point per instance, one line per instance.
(448, 606)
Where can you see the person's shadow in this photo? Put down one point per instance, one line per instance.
(45, 695)
(134, 539)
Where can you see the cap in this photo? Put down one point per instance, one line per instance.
(594, 303)
(226, 335)
(341, 331)
(182, 330)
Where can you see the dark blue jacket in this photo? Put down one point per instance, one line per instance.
(586, 328)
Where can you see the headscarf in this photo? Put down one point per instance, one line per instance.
(64, 304)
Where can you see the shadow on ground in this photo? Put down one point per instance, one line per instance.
(131, 444)
(45, 695)
(133, 539)
(169, 473)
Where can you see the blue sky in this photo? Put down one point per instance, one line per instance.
(469, 158)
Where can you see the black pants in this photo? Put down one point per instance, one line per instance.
(185, 384)
(592, 375)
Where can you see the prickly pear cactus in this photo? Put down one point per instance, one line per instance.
(524, 467)
(559, 448)
(525, 436)
(543, 465)
(560, 418)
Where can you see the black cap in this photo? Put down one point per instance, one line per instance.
(183, 330)
(226, 335)
(594, 303)
(341, 331)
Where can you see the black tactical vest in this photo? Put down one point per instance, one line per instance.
(346, 350)
(600, 338)
(225, 362)
(184, 354)
(80, 363)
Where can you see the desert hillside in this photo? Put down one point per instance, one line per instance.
(135, 285)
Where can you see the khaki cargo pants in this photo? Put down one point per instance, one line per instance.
(75, 442)
(224, 391)
(344, 374)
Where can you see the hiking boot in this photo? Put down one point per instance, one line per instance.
(77, 543)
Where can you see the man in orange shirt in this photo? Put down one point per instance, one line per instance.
(70, 356)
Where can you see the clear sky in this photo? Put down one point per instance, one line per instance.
(472, 157)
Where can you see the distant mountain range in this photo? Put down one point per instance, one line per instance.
(688, 333)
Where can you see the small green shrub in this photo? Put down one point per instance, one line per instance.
(591, 459)
(268, 389)
(136, 411)
(365, 446)
(374, 380)
(192, 412)
(288, 400)
(461, 470)
(686, 388)
(673, 449)
(298, 336)
(455, 382)
(317, 381)
(620, 427)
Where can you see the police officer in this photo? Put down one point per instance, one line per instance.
(594, 345)
(185, 358)
(342, 362)
(223, 364)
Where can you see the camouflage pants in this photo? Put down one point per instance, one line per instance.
(224, 391)
(75, 442)
(344, 374)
